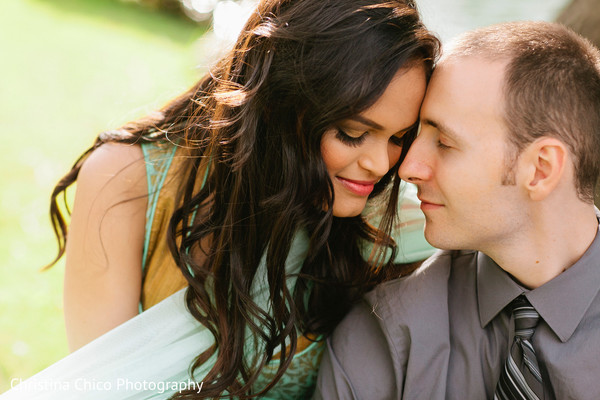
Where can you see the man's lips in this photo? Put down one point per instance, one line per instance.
(427, 205)
(360, 188)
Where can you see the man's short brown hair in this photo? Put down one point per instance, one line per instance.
(551, 88)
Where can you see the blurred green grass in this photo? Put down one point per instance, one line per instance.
(70, 69)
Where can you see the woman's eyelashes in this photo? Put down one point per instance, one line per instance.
(349, 140)
(355, 141)
(397, 140)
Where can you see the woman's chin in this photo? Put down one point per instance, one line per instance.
(349, 210)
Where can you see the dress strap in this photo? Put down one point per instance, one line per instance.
(158, 163)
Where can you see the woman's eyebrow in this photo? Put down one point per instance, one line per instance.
(366, 121)
(375, 125)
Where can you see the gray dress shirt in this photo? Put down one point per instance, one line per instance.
(443, 333)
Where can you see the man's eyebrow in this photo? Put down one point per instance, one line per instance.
(441, 127)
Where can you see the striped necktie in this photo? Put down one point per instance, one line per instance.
(520, 378)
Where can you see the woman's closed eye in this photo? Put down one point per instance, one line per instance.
(348, 139)
(398, 140)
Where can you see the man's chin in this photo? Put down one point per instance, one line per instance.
(440, 241)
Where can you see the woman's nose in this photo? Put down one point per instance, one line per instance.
(377, 158)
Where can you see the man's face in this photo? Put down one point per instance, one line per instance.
(459, 158)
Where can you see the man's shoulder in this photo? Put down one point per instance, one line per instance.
(425, 288)
(369, 351)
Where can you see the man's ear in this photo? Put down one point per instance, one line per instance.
(544, 165)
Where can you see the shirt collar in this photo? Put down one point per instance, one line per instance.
(495, 289)
(561, 302)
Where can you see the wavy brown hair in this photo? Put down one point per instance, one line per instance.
(298, 68)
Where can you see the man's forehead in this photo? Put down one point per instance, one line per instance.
(469, 81)
(465, 91)
(471, 68)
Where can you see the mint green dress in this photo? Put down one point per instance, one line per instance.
(300, 377)
(148, 357)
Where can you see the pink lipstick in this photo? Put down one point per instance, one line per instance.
(359, 188)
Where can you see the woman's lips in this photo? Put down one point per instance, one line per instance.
(359, 188)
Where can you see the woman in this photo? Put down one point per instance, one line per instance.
(261, 172)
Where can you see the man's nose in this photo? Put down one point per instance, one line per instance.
(416, 165)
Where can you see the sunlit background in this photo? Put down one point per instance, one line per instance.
(72, 68)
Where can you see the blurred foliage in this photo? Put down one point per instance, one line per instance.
(170, 6)
(73, 68)
(195, 10)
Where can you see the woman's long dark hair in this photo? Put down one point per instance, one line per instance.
(298, 68)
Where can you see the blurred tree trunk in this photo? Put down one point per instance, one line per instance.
(583, 16)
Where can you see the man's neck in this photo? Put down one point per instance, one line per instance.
(552, 246)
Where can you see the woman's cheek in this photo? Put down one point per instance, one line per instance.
(394, 154)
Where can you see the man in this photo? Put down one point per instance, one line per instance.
(505, 164)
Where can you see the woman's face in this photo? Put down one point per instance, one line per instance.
(360, 150)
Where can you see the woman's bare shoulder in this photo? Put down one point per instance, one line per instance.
(106, 237)
(117, 167)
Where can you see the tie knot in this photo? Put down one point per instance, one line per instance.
(525, 316)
